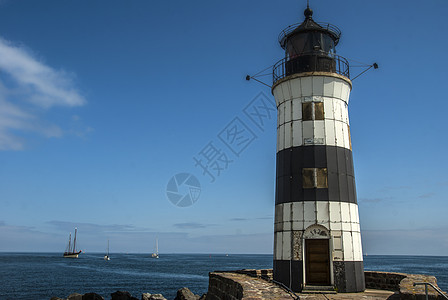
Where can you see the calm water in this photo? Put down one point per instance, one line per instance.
(43, 275)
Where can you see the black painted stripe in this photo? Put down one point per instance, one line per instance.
(289, 272)
(348, 275)
(339, 164)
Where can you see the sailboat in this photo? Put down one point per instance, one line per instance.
(71, 251)
(106, 257)
(156, 254)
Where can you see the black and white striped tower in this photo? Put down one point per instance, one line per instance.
(317, 240)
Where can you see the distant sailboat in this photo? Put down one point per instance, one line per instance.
(156, 254)
(107, 257)
(70, 251)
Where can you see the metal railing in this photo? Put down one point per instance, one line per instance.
(433, 286)
(333, 63)
(326, 26)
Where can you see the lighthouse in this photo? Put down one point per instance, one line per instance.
(317, 240)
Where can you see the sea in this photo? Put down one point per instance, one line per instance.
(44, 275)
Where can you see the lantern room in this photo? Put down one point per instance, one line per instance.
(310, 47)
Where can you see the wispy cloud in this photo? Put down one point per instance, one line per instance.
(239, 219)
(29, 88)
(192, 225)
(426, 195)
(95, 228)
(370, 200)
(250, 219)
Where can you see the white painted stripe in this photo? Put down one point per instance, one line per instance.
(312, 86)
(306, 84)
(297, 211)
(337, 111)
(297, 139)
(333, 211)
(296, 90)
(286, 245)
(281, 114)
(288, 135)
(281, 132)
(279, 245)
(339, 134)
(357, 246)
(319, 132)
(335, 225)
(288, 111)
(328, 108)
(346, 225)
(307, 131)
(329, 86)
(309, 208)
(338, 88)
(322, 211)
(297, 109)
(318, 85)
(330, 137)
(347, 244)
(278, 94)
(286, 88)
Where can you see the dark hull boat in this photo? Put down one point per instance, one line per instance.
(70, 251)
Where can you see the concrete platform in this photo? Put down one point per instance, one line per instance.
(369, 294)
(257, 284)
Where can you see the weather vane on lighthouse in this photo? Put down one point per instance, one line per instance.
(317, 239)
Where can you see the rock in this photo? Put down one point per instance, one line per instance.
(92, 296)
(186, 294)
(119, 295)
(146, 296)
(56, 298)
(157, 297)
(74, 296)
(203, 297)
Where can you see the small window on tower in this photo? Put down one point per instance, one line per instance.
(308, 178)
(321, 178)
(318, 110)
(307, 111)
(312, 111)
(314, 178)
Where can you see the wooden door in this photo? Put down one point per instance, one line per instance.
(317, 262)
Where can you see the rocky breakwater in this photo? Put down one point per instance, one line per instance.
(182, 294)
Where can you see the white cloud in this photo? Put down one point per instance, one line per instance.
(29, 88)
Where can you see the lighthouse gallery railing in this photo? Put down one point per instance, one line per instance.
(311, 63)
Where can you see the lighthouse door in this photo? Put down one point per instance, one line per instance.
(317, 262)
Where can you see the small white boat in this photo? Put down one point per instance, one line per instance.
(107, 257)
(156, 254)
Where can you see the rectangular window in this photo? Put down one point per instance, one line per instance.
(318, 110)
(308, 178)
(314, 178)
(312, 111)
(307, 111)
(321, 178)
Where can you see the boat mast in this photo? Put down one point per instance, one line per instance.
(74, 241)
(69, 241)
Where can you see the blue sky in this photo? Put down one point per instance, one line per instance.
(103, 102)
